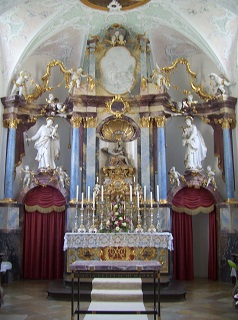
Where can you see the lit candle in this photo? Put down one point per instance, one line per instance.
(77, 194)
(88, 193)
(97, 179)
(102, 193)
(93, 200)
(151, 201)
(82, 201)
(157, 193)
(144, 193)
(130, 193)
(138, 200)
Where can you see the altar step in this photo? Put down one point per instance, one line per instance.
(170, 292)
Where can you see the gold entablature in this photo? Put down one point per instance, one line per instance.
(197, 88)
(117, 106)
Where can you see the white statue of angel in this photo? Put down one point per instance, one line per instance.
(174, 177)
(159, 78)
(20, 83)
(220, 82)
(76, 78)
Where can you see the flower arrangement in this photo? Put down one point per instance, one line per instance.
(117, 220)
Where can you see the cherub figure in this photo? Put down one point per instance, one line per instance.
(211, 177)
(28, 176)
(20, 83)
(175, 177)
(76, 78)
(220, 82)
(159, 78)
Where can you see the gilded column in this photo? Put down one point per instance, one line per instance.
(228, 162)
(75, 175)
(161, 159)
(145, 153)
(91, 152)
(10, 159)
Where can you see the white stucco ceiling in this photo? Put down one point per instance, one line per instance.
(41, 31)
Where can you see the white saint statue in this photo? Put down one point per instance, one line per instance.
(47, 144)
(196, 149)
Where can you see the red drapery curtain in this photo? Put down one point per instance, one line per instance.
(44, 228)
(187, 202)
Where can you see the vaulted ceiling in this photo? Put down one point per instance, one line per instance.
(32, 33)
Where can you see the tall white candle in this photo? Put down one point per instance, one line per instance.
(157, 193)
(102, 193)
(88, 193)
(77, 194)
(138, 200)
(130, 193)
(82, 201)
(144, 193)
(97, 179)
(93, 200)
(151, 201)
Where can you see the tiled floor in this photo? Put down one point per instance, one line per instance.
(204, 300)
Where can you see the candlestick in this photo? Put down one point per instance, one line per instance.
(82, 201)
(77, 194)
(157, 193)
(88, 193)
(152, 228)
(93, 200)
(144, 193)
(130, 193)
(102, 193)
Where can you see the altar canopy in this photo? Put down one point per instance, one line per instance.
(189, 201)
(43, 257)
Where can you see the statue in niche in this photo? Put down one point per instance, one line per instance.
(117, 157)
(159, 79)
(47, 144)
(20, 83)
(211, 177)
(220, 83)
(175, 177)
(28, 176)
(196, 149)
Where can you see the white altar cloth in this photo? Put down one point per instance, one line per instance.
(94, 240)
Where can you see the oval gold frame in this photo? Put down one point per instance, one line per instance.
(99, 7)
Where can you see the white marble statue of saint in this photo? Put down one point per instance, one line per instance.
(47, 144)
(196, 149)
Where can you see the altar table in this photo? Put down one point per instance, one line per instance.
(119, 246)
(134, 268)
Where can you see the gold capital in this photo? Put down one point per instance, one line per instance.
(145, 122)
(90, 122)
(225, 122)
(160, 121)
(11, 123)
(76, 121)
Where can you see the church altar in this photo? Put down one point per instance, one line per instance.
(119, 246)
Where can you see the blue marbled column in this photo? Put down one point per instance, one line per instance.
(145, 160)
(161, 160)
(75, 175)
(228, 163)
(10, 163)
(91, 158)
